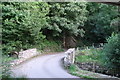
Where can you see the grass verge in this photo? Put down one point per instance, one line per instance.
(93, 55)
(74, 70)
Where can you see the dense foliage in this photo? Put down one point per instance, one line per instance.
(22, 23)
(112, 53)
(28, 24)
(99, 23)
(66, 21)
(67, 18)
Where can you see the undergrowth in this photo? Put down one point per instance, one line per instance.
(89, 55)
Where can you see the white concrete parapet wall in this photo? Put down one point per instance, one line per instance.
(28, 53)
(69, 57)
(24, 55)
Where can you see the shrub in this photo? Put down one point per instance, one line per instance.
(112, 52)
(5, 66)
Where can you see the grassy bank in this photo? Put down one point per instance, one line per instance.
(75, 70)
(89, 64)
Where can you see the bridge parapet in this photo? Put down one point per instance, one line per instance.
(69, 57)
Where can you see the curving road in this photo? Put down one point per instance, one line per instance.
(47, 66)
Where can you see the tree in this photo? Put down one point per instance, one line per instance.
(22, 23)
(112, 53)
(66, 21)
(99, 21)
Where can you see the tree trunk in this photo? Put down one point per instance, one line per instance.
(69, 42)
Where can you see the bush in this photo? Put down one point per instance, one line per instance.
(112, 53)
(5, 66)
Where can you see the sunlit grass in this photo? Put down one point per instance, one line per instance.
(90, 55)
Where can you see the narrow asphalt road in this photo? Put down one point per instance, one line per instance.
(47, 66)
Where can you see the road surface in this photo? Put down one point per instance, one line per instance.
(47, 66)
